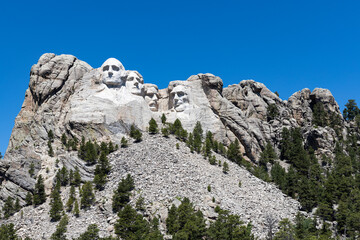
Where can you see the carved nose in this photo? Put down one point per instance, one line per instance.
(110, 74)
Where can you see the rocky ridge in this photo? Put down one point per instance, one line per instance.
(67, 95)
(163, 175)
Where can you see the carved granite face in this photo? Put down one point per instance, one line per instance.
(134, 83)
(152, 97)
(112, 71)
(180, 98)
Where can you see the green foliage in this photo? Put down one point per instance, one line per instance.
(29, 199)
(267, 156)
(64, 176)
(71, 200)
(184, 222)
(8, 208)
(101, 171)
(61, 229)
(64, 139)
(212, 160)
(56, 206)
(225, 167)
(135, 133)
(131, 225)
(50, 149)
(233, 152)
(140, 204)
(153, 127)
(8, 232)
(87, 195)
(122, 194)
(320, 116)
(286, 231)
(197, 136)
(124, 142)
(77, 177)
(351, 110)
(50, 135)
(165, 132)
(76, 210)
(177, 146)
(272, 112)
(163, 118)
(92, 233)
(39, 196)
(17, 205)
(209, 188)
(229, 226)
(32, 169)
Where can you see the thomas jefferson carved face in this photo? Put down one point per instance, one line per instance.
(180, 98)
(152, 97)
(112, 71)
(134, 83)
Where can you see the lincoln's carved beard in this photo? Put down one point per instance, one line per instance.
(112, 71)
(180, 98)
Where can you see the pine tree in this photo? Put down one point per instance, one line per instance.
(87, 195)
(124, 142)
(39, 196)
(64, 176)
(64, 139)
(77, 177)
(131, 225)
(197, 135)
(92, 233)
(135, 133)
(61, 229)
(102, 170)
(351, 110)
(153, 127)
(163, 119)
(50, 151)
(32, 169)
(17, 205)
(8, 208)
(122, 194)
(272, 112)
(76, 209)
(28, 199)
(90, 154)
(165, 132)
(8, 232)
(56, 206)
(225, 167)
(51, 135)
(71, 200)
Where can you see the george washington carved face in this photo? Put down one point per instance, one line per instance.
(112, 72)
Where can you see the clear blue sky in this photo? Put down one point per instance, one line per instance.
(287, 45)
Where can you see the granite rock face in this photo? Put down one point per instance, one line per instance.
(66, 95)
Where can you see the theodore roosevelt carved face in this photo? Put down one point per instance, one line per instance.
(112, 73)
(152, 96)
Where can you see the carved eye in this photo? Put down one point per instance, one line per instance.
(115, 68)
(180, 94)
(130, 78)
(106, 68)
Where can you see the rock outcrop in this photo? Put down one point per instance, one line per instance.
(66, 95)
